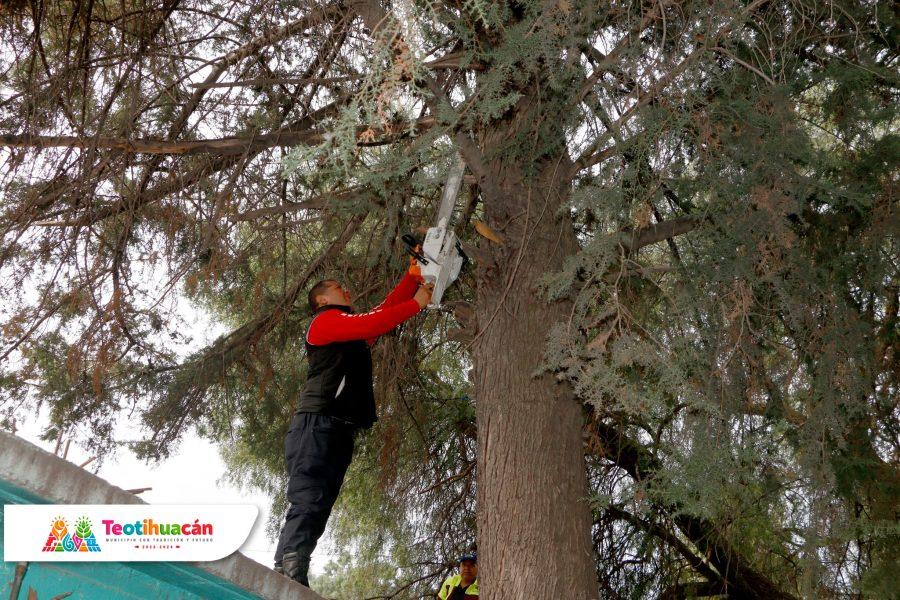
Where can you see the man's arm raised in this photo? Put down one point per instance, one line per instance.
(407, 287)
(404, 290)
(337, 326)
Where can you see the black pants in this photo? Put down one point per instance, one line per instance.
(318, 449)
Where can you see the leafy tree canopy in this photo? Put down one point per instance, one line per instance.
(732, 306)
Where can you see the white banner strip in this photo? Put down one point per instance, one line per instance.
(124, 532)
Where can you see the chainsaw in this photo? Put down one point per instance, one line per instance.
(440, 256)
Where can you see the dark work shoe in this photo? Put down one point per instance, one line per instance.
(296, 567)
(278, 568)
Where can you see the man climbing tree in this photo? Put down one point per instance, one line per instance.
(337, 400)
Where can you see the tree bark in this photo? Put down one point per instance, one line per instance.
(533, 517)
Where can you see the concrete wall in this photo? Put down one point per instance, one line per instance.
(29, 475)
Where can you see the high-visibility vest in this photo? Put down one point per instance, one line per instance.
(452, 582)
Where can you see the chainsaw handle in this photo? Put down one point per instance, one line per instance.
(462, 253)
(412, 243)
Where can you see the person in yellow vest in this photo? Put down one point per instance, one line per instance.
(463, 585)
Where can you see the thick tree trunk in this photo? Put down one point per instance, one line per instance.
(533, 517)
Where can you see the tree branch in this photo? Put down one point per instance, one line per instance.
(657, 232)
(366, 135)
(741, 580)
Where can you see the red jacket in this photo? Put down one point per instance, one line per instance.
(332, 326)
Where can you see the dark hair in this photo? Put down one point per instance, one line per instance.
(316, 290)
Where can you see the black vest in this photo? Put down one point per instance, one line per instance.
(339, 382)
